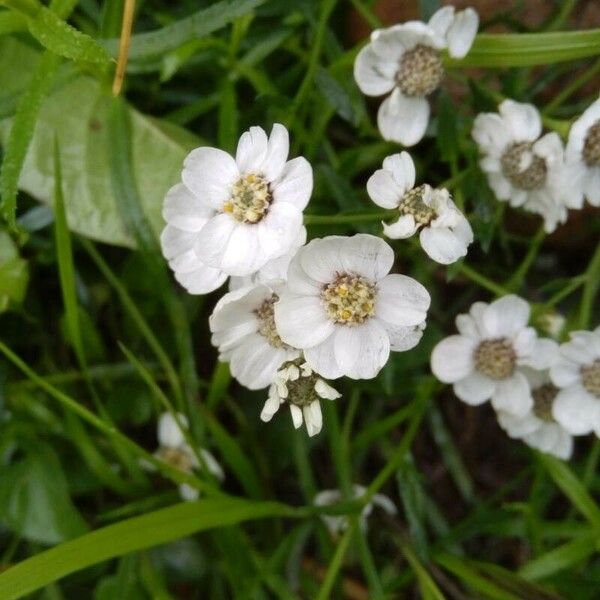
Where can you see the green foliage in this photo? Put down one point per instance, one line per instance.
(14, 273)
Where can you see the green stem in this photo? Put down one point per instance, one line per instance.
(335, 565)
(590, 289)
(516, 280)
(481, 280)
(572, 87)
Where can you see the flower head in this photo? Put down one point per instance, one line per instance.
(342, 308)
(244, 330)
(523, 168)
(231, 216)
(445, 233)
(337, 524)
(538, 428)
(577, 375)
(298, 385)
(175, 451)
(582, 157)
(406, 60)
(485, 361)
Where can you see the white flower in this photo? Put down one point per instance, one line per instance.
(175, 451)
(445, 233)
(583, 158)
(297, 384)
(523, 168)
(275, 270)
(577, 375)
(485, 360)
(344, 311)
(538, 428)
(406, 60)
(337, 524)
(244, 330)
(231, 216)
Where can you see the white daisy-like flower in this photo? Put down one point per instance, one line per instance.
(337, 524)
(582, 156)
(243, 329)
(298, 385)
(445, 233)
(176, 452)
(485, 360)
(538, 428)
(342, 308)
(523, 168)
(230, 216)
(406, 60)
(577, 375)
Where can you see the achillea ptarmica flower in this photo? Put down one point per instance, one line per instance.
(337, 524)
(406, 60)
(342, 308)
(244, 330)
(298, 385)
(445, 233)
(485, 361)
(175, 451)
(233, 215)
(582, 156)
(523, 168)
(577, 375)
(538, 428)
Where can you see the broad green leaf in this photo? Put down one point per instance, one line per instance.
(200, 24)
(34, 499)
(133, 534)
(21, 132)
(78, 114)
(14, 273)
(528, 49)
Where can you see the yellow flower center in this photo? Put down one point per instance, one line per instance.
(543, 399)
(591, 146)
(530, 178)
(349, 299)
(420, 72)
(250, 198)
(266, 322)
(495, 358)
(590, 377)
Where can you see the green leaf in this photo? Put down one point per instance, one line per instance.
(133, 534)
(529, 49)
(22, 131)
(34, 499)
(14, 273)
(78, 112)
(200, 24)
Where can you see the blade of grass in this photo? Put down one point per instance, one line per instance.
(335, 565)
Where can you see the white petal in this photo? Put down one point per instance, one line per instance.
(452, 358)
(277, 231)
(209, 173)
(490, 133)
(326, 391)
(402, 168)
(576, 410)
(175, 242)
(467, 326)
(552, 439)
(371, 74)
(462, 32)
(366, 255)
(474, 389)
(506, 316)
(442, 245)
(441, 20)
(276, 269)
(169, 432)
(313, 418)
(550, 147)
(502, 188)
(254, 362)
(513, 395)
(523, 120)
(213, 238)
(271, 406)
(184, 210)
(321, 258)
(543, 355)
(321, 359)
(402, 119)
(524, 344)
(278, 148)
(517, 427)
(389, 44)
(403, 228)
(211, 464)
(403, 338)
(202, 280)
(242, 256)
(296, 413)
(383, 189)
(251, 150)
(591, 186)
(565, 373)
(302, 321)
(362, 351)
(298, 282)
(401, 300)
(294, 184)
(188, 493)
